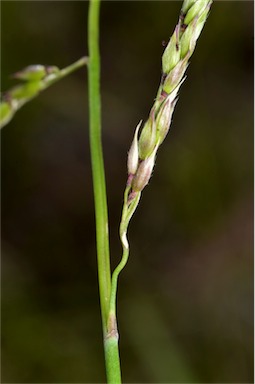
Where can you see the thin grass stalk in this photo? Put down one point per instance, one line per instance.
(102, 238)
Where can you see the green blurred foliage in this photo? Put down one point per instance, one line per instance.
(186, 296)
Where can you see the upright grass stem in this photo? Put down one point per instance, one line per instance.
(102, 237)
(97, 161)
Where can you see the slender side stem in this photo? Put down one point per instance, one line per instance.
(66, 71)
(111, 341)
(127, 213)
(104, 275)
(102, 238)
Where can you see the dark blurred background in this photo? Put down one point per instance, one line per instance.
(185, 300)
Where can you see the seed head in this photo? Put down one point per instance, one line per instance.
(175, 76)
(175, 61)
(187, 4)
(133, 154)
(187, 37)
(5, 112)
(202, 19)
(147, 140)
(144, 172)
(31, 73)
(195, 10)
(26, 90)
(171, 55)
(195, 20)
(164, 117)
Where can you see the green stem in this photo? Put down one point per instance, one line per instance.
(66, 71)
(99, 187)
(104, 275)
(111, 341)
(127, 213)
(111, 348)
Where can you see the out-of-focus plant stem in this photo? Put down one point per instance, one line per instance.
(16, 97)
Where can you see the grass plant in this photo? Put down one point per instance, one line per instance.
(142, 153)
